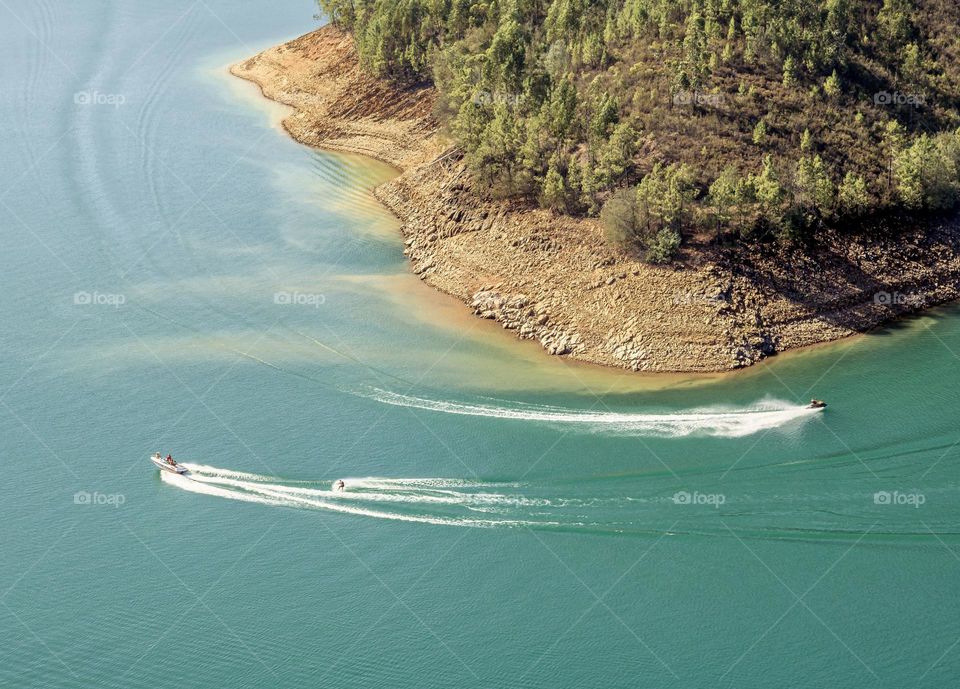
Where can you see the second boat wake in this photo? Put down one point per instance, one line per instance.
(717, 422)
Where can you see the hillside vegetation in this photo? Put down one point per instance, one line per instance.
(673, 118)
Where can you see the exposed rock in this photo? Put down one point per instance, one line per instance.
(554, 280)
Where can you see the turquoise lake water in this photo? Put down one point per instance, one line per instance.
(178, 275)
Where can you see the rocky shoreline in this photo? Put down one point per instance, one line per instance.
(553, 279)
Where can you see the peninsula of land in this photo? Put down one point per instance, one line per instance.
(553, 278)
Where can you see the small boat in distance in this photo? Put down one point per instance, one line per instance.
(167, 464)
(816, 404)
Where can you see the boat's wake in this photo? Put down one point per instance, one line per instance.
(646, 506)
(728, 423)
(431, 501)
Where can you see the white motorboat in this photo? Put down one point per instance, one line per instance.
(167, 464)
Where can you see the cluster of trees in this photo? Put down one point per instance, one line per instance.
(680, 116)
(654, 214)
(925, 176)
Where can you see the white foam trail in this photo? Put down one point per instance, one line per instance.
(185, 482)
(226, 473)
(259, 489)
(711, 422)
(422, 519)
(401, 495)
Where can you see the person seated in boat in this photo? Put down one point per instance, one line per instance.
(170, 460)
(817, 404)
